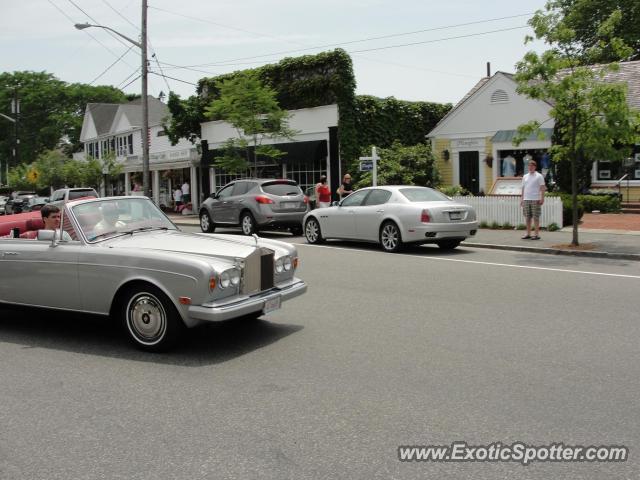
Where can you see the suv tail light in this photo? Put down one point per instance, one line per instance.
(306, 199)
(425, 218)
(262, 199)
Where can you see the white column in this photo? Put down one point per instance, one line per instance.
(212, 180)
(127, 183)
(195, 196)
(156, 187)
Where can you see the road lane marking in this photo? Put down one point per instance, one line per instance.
(550, 269)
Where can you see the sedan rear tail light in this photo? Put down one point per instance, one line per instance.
(425, 218)
(263, 200)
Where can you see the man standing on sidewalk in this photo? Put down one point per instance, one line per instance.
(533, 189)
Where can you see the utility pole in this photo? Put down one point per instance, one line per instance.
(145, 103)
(15, 109)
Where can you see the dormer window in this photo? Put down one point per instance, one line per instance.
(499, 96)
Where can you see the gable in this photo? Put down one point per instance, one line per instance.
(88, 127)
(493, 106)
(121, 123)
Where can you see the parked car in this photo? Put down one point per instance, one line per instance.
(127, 260)
(64, 195)
(24, 203)
(254, 204)
(394, 216)
(3, 202)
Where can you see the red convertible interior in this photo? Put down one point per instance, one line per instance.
(28, 223)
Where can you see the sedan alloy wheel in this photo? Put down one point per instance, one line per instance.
(390, 237)
(312, 231)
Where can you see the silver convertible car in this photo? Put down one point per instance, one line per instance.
(121, 256)
(393, 216)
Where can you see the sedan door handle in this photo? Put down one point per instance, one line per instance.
(6, 254)
(379, 211)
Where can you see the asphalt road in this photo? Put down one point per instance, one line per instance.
(384, 350)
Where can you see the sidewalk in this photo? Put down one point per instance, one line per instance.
(594, 242)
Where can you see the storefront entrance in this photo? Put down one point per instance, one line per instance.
(470, 171)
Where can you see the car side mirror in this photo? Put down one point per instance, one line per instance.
(46, 235)
(335, 204)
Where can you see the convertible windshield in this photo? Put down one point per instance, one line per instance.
(112, 217)
(423, 194)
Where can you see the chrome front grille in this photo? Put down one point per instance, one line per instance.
(258, 271)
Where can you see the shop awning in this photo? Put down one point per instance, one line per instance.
(308, 151)
(507, 136)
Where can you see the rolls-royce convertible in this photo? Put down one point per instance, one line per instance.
(121, 256)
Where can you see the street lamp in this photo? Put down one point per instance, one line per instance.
(142, 45)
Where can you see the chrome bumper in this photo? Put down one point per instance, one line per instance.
(219, 311)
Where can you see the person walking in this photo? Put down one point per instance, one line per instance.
(346, 188)
(323, 193)
(186, 192)
(532, 199)
(177, 199)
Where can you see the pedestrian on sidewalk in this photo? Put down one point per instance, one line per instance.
(177, 198)
(532, 199)
(186, 192)
(323, 193)
(346, 188)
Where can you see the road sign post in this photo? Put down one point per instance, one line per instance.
(370, 164)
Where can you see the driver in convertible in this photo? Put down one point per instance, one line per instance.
(51, 219)
(109, 222)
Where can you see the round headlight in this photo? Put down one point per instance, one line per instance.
(225, 279)
(287, 263)
(235, 276)
(279, 265)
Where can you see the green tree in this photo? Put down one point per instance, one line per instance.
(587, 19)
(402, 165)
(592, 117)
(252, 108)
(52, 112)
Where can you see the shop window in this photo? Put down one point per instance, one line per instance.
(608, 171)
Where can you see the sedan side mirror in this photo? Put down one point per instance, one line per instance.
(335, 204)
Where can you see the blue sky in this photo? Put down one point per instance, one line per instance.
(231, 35)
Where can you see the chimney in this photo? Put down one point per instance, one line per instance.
(488, 69)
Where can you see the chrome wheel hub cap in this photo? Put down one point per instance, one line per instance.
(204, 221)
(389, 237)
(312, 231)
(246, 225)
(146, 317)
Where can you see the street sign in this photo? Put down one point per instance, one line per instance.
(366, 165)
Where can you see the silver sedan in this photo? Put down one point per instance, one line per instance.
(393, 216)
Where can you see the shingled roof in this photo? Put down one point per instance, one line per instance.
(103, 114)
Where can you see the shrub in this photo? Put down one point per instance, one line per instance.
(483, 224)
(521, 226)
(603, 203)
(454, 191)
(553, 227)
(567, 209)
(507, 226)
(495, 226)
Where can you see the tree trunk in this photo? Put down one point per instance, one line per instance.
(574, 185)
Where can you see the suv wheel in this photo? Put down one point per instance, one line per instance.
(206, 224)
(248, 224)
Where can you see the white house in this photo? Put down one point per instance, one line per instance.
(117, 128)
(473, 142)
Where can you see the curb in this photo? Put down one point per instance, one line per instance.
(556, 251)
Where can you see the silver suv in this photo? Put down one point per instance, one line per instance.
(256, 203)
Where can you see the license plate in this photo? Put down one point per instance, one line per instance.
(271, 304)
(455, 215)
(289, 204)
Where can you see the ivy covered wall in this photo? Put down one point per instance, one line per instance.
(323, 79)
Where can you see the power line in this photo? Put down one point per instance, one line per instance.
(96, 22)
(128, 77)
(284, 52)
(131, 82)
(172, 78)
(109, 67)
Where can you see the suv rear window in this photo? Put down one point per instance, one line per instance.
(281, 188)
(73, 194)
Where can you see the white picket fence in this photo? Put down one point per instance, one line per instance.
(507, 210)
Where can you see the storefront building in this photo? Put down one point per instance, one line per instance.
(312, 152)
(116, 129)
(473, 143)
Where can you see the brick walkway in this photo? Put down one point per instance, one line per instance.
(610, 221)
